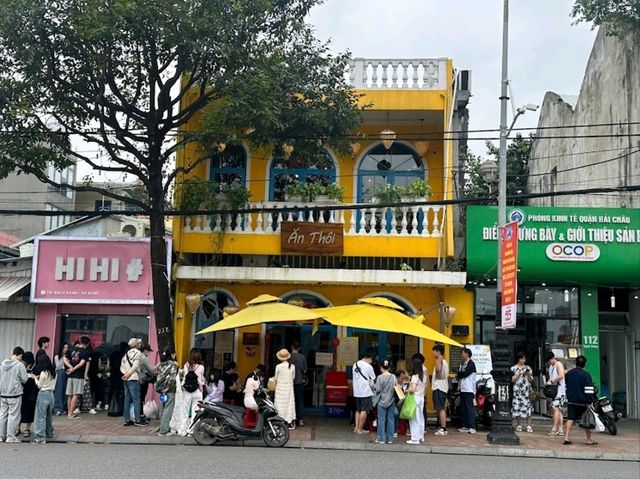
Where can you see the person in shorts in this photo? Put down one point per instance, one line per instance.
(440, 388)
(363, 374)
(75, 362)
(580, 391)
(556, 376)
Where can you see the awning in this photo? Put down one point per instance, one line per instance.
(10, 285)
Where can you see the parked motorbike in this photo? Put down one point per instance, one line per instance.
(603, 407)
(485, 402)
(218, 422)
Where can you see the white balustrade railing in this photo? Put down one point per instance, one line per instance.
(365, 220)
(395, 74)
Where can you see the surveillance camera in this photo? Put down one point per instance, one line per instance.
(531, 107)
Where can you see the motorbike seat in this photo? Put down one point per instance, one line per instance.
(238, 411)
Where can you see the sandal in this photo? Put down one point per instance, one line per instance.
(529, 429)
(519, 429)
(559, 432)
(592, 443)
(567, 443)
(553, 432)
(27, 433)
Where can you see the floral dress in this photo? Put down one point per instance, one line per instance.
(521, 406)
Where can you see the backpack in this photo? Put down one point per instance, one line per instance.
(191, 381)
(166, 379)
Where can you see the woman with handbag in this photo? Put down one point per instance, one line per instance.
(284, 399)
(521, 377)
(417, 388)
(556, 380)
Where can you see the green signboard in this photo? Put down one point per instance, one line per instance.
(597, 246)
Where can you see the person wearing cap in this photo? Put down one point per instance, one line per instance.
(284, 399)
(129, 368)
(145, 375)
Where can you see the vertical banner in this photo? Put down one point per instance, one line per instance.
(509, 262)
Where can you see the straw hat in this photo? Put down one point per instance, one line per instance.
(283, 355)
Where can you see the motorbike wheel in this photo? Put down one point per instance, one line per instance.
(610, 424)
(281, 436)
(201, 435)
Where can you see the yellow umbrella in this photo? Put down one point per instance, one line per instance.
(381, 314)
(263, 309)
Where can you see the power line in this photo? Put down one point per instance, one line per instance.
(339, 207)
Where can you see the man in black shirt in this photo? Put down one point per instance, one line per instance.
(580, 392)
(76, 362)
(232, 385)
(300, 362)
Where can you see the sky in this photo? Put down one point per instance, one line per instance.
(547, 52)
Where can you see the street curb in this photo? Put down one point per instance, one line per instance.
(497, 451)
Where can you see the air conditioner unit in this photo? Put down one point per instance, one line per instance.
(134, 230)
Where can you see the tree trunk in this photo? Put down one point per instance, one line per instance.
(159, 274)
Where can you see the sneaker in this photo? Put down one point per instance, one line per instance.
(411, 441)
(389, 442)
(472, 431)
(128, 423)
(76, 411)
(395, 434)
(440, 432)
(93, 411)
(165, 434)
(301, 423)
(141, 424)
(377, 441)
(38, 440)
(463, 429)
(13, 439)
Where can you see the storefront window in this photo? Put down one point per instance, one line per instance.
(106, 331)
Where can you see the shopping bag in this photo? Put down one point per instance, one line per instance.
(599, 424)
(151, 410)
(588, 419)
(408, 410)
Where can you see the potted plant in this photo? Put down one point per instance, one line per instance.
(386, 194)
(236, 196)
(334, 191)
(298, 192)
(198, 195)
(419, 189)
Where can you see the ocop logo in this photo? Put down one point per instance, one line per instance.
(573, 252)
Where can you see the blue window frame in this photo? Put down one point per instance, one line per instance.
(229, 167)
(400, 165)
(295, 169)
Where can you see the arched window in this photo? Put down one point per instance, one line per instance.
(309, 299)
(229, 167)
(295, 169)
(210, 312)
(399, 165)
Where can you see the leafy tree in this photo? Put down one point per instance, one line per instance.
(126, 76)
(518, 153)
(619, 16)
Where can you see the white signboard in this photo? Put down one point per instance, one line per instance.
(481, 355)
(324, 359)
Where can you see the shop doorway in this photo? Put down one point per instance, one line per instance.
(315, 347)
(617, 367)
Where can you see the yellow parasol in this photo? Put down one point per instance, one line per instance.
(381, 314)
(263, 309)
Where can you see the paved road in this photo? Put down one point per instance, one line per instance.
(105, 461)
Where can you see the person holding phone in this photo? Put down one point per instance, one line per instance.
(521, 377)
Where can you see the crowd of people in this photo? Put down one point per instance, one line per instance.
(33, 388)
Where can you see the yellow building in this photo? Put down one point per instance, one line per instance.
(394, 252)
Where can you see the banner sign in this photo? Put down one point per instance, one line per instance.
(92, 270)
(509, 262)
(299, 237)
(588, 245)
(481, 355)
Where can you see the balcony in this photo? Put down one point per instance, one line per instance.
(368, 230)
(398, 74)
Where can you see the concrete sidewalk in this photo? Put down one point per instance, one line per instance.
(323, 433)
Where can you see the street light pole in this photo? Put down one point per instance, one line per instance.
(502, 424)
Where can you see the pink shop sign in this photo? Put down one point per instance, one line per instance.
(92, 270)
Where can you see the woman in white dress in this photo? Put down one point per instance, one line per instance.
(284, 398)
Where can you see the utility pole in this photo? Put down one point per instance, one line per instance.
(502, 422)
